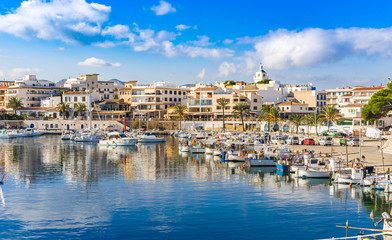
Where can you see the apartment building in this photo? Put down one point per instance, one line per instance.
(363, 94)
(200, 102)
(290, 108)
(334, 96)
(31, 91)
(3, 103)
(152, 100)
(233, 98)
(315, 99)
(74, 97)
(125, 93)
(83, 83)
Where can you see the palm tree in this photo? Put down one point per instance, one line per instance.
(275, 115)
(63, 108)
(296, 119)
(316, 120)
(308, 120)
(330, 114)
(80, 107)
(15, 103)
(180, 110)
(241, 110)
(223, 103)
(265, 115)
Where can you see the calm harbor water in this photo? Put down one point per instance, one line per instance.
(65, 190)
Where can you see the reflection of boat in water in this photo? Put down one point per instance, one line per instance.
(254, 170)
(312, 181)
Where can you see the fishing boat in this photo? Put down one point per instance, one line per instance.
(356, 177)
(264, 161)
(283, 166)
(118, 139)
(197, 150)
(151, 139)
(312, 168)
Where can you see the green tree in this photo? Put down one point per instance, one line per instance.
(316, 120)
(275, 115)
(241, 110)
(265, 115)
(379, 105)
(63, 108)
(81, 108)
(223, 103)
(180, 110)
(296, 119)
(15, 103)
(330, 114)
(265, 81)
(308, 120)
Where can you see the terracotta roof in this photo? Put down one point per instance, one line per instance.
(369, 88)
(131, 81)
(250, 87)
(290, 103)
(75, 93)
(36, 108)
(206, 89)
(353, 105)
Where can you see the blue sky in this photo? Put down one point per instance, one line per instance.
(327, 43)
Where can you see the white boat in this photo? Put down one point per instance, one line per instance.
(356, 177)
(267, 161)
(7, 135)
(151, 139)
(118, 139)
(312, 168)
(217, 152)
(235, 156)
(387, 224)
(184, 148)
(197, 150)
(88, 137)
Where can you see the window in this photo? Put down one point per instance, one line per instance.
(75, 99)
(175, 92)
(255, 100)
(255, 108)
(165, 99)
(175, 99)
(170, 99)
(218, 108)
(83, 99)
(171, 92)
(300, 108)
(179, 99)
(165, 91)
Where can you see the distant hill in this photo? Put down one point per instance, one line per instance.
(116, 82)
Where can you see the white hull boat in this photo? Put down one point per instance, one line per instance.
(217, 153)
(312, 173)
(262, 162)
(209, 151)
(197, 150)
(118, 139)
(151, 139)
(184, 148)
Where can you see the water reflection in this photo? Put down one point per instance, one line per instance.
(51, 184)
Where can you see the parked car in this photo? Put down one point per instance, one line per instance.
(353, 142)
(292, 140)
(301, 140)
(278, 139)
(324, 141)
(309, 141)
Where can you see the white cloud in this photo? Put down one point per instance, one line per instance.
(171, 50)
(61, 48)
(202, 74)
(182, 27)
(227, 41)
(105, 44)
(283, 49)
(20, 72)
(163, 8)
(203, 41)
(226, 68)
(96, 62)
(64, 20)
(118, 31)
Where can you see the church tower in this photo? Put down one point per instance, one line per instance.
(260, 74)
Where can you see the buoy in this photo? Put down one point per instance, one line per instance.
(351, 185)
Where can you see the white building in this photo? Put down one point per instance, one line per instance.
(31, 91)
(73, 97)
